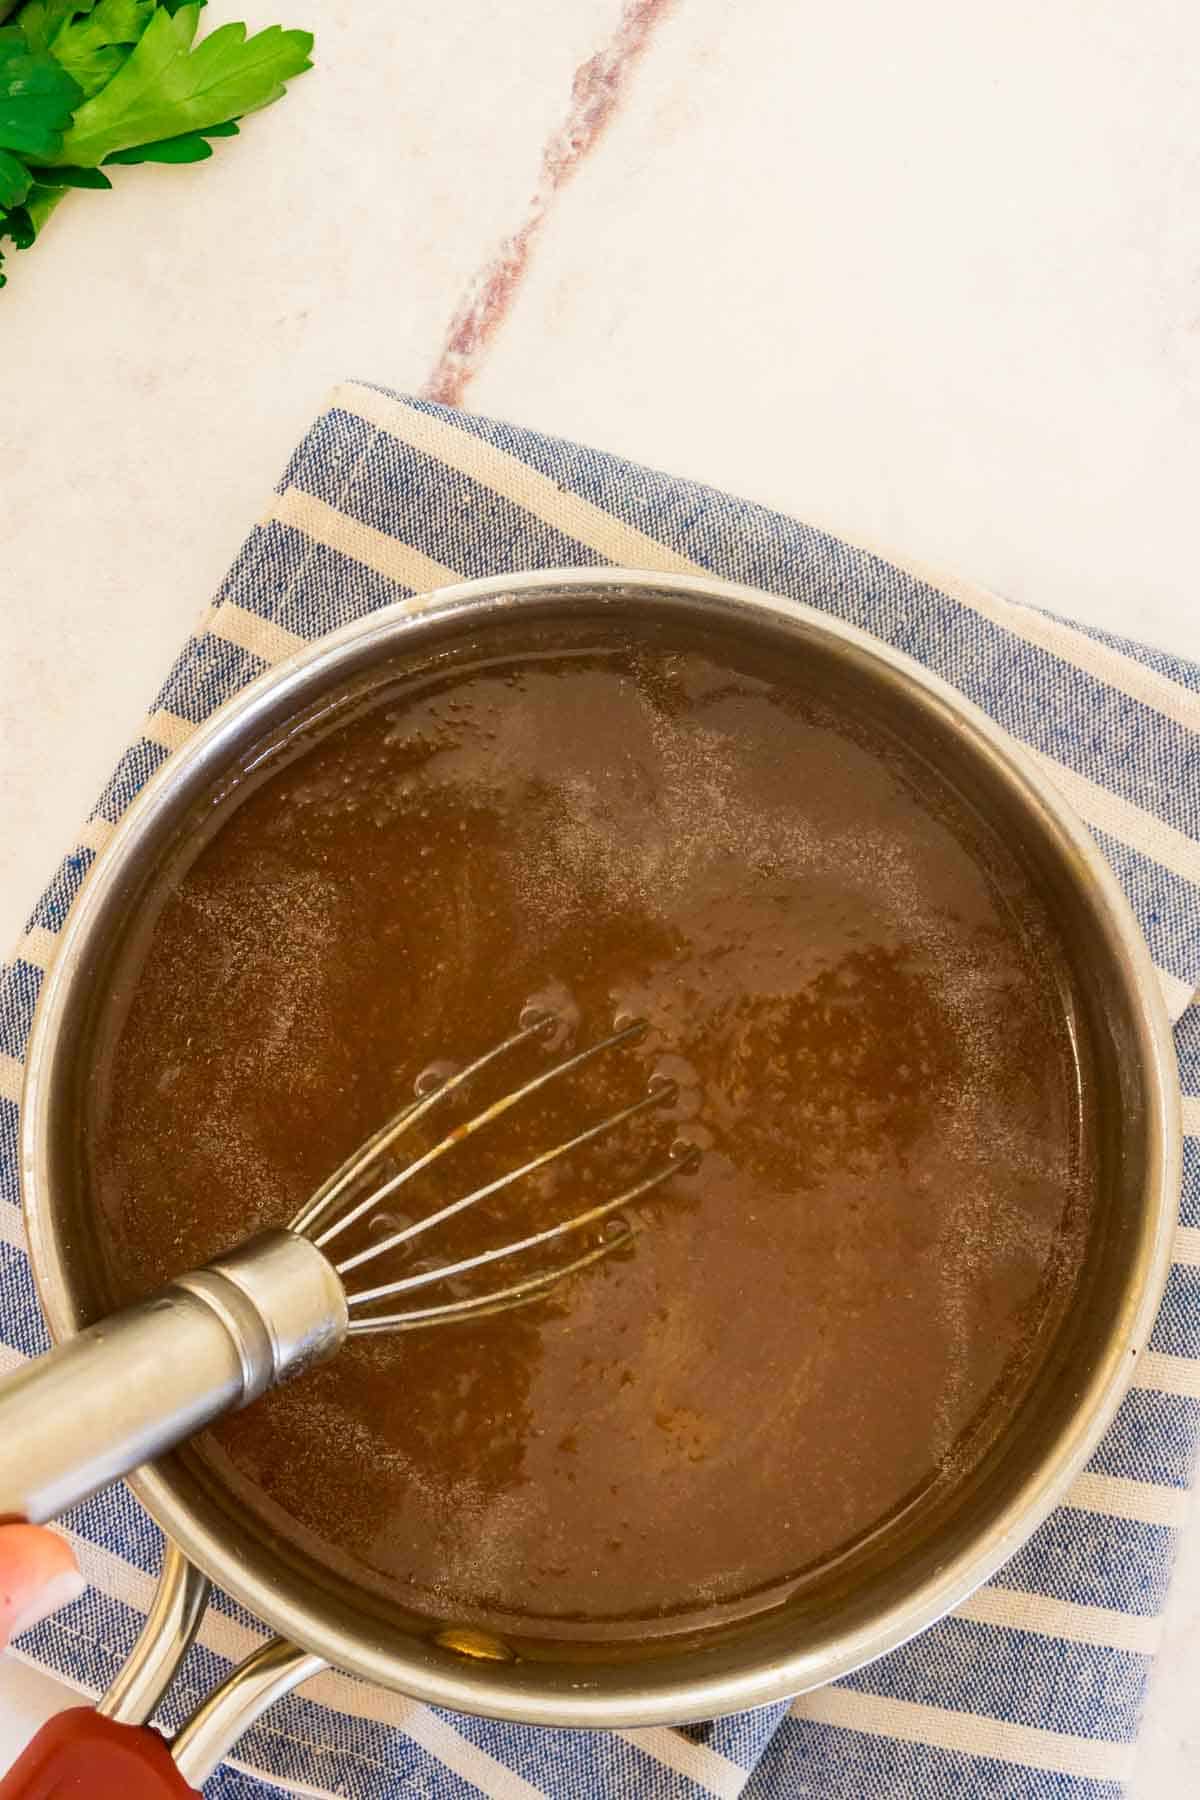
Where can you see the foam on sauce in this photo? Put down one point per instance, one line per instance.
(859, 997)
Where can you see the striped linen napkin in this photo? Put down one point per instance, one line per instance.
(1033, 1686)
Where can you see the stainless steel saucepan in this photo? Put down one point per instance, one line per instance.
(880, 1595)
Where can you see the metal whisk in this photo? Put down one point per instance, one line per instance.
(124, 1391)
(322, 1220)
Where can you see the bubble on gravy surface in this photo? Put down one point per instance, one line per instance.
(860, 1000)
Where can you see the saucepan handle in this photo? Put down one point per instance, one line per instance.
(80, 1752)
(113, 1751)
(112, 1754)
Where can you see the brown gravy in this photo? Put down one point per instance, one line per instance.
(857, 993)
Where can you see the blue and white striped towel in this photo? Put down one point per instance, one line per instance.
(1033, 1687)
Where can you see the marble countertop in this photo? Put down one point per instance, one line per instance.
(925, 274)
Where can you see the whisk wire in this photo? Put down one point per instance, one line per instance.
(660, 1096)
(381, 1141)
(520, 1293)
(320, 1220)
(593, 1215)
(460, 1132)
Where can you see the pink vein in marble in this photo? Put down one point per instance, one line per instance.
(596, 91)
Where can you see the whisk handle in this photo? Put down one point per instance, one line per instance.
(79, 1753)
(129, 1388)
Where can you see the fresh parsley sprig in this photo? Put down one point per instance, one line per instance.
(91, 82)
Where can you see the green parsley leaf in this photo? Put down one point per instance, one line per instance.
(15, 180)
(17, 225)
(167, 88)
(94, 47)
(43, 198)
(41, 20)
(36, 98)
(188, 147)
(68, 177)
(23, 223)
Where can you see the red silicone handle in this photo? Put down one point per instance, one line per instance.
(78, 1755)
